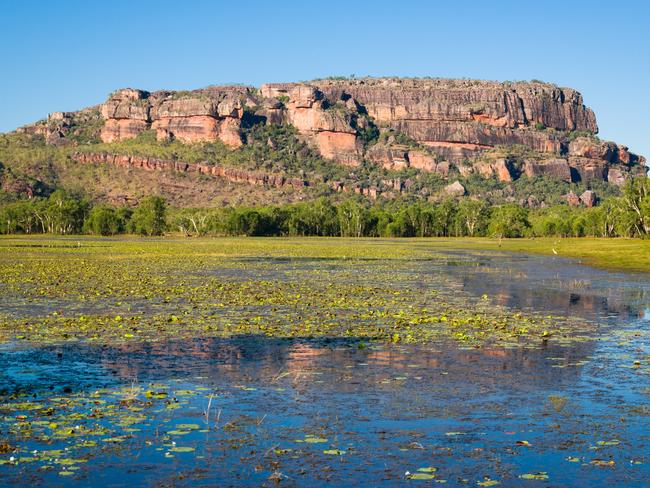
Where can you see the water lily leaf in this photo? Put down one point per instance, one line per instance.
(182, 449)
(114, 439)
(315, 440)
(184, 392)
(70, 462)
(421, 476)
(488, 482)
(334, 452)
(156, 394)
(613, 442)
(603, 462)
(540, 475)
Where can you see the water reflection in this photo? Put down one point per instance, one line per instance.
(552, 284)
(391, 408)
(252, 359)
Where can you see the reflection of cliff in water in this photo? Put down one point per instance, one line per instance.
(339, 365)
(555, 285)
(335, 364)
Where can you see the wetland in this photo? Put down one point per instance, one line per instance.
(315, 361)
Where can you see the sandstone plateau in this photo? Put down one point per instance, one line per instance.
(453, 128)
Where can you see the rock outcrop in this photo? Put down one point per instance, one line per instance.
(432, 125)
(460, 119)
(504, 105)
(456, 189)
(396, 157)
(210, 114)
(556, 167)
(331, 128)
(233, 175)
(588, 198)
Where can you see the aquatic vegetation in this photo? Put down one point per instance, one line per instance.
(306, 361)
(138, 290)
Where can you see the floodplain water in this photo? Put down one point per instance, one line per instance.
(251, 410)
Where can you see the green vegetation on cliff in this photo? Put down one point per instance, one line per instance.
(30, 167)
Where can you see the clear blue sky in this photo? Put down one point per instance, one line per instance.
(66, 55)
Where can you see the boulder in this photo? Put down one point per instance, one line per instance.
(421, 160)
(456, 189)
(443, 168)
(556, 168)
(572, 199)
(588, 198)
(503, 170)
(388, 156)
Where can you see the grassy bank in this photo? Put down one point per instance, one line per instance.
(608, 253)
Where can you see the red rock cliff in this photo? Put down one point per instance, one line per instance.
(453, 124)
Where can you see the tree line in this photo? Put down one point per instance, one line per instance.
(625, 216)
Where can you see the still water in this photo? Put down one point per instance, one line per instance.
(259, 411)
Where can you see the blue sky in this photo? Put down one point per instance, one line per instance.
(70, 54)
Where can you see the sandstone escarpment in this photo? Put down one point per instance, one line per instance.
(460, 120)
(496, 104)
(198, 116)
(447, 127)
(466, 114)
(332, 129)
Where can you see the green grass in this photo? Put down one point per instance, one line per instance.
(608, 253)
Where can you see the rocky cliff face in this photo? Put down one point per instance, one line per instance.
(416, 103)
(462, 120)
(441, 126)
(198, 116)
(333, 131)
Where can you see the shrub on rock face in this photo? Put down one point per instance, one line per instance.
(149, 217)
